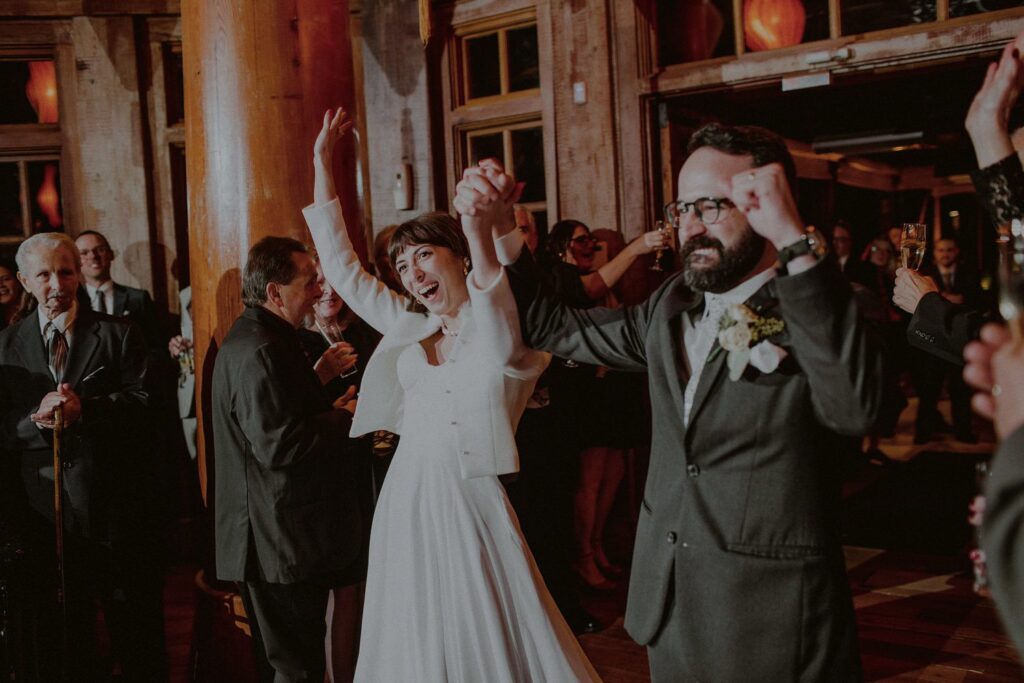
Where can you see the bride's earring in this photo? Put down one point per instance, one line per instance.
(465, 266)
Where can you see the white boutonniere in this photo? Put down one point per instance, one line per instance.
(743, 334)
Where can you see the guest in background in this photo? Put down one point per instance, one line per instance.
(854, 270)
(180, 348)
(288, 525)
(958, 285)
(602, 409)
(543, 490)
(100, 293)
(93, 367)
(335, 332)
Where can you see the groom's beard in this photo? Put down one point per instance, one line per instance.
(733, 264)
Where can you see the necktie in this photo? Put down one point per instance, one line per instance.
(99, 302)
(57, 345)
(947, 281)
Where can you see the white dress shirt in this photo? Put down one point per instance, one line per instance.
(107, 289)
(699, 337)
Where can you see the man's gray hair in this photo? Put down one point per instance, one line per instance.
(44, 240)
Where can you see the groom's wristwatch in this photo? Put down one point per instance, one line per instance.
(810, 242)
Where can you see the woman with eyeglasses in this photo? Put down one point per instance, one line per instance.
(596, 402)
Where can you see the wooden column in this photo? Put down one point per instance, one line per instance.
(258, 76)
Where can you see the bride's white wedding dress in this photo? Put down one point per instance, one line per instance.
(453, 593)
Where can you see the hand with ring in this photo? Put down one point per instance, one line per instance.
(995, 367)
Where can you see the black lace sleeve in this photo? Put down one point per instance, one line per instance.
(1000, 188)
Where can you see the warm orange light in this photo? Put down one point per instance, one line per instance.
(48, 198)
(771, 24)
(41, 90)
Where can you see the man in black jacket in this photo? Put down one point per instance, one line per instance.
(93, 367)
(287, 517)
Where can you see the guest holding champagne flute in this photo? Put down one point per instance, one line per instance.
(912, 245)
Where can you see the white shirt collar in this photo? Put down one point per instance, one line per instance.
(107, 287)
(65, 322)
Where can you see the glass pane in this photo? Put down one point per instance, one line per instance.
(487, 146)
(963, 8)
(174, 84)
(692, 30)
(861, 16)
(483, 66)
(44, 195)
(523, 65)
(528, 162)
(10, 200)
(769, 25)
(29, 92)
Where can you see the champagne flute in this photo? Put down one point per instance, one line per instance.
(1011, 277)
(912, 245)
(331, 331)
(659, 254)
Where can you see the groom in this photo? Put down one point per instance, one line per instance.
(738, 572)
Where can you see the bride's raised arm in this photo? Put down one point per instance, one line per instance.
(367, 296)
(484, 199)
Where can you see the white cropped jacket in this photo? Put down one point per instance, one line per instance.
(504, 371)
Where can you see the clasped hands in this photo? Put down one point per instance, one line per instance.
(71, 408)
(484, 197)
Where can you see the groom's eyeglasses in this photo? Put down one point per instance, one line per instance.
(707, 209)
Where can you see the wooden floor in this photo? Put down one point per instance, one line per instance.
(917, 615)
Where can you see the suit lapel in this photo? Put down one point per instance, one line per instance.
(681, 304)
(120, 301)
(84, 344)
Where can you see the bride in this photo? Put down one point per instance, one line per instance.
(452, 592)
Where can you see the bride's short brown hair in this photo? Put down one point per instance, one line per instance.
(438, 229)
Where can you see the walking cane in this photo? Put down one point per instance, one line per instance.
(58, 513)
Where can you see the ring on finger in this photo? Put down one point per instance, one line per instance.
(751, 175)
(996, 390)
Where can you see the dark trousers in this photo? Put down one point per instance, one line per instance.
(542, 496)
(124, 581)
(929, 376)
(288, 623)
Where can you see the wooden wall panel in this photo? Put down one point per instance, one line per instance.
(103, 144)
(397, 101)
(585, 133)
(258, 76)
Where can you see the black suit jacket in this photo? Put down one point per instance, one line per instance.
(136, 305)
(943, 328)
(109, 471)
(738, 534)
(286, 502)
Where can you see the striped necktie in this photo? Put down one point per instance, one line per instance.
(57, 345)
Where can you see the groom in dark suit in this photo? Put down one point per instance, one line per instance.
(287, 515)
(93, 367)
(758, 362)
